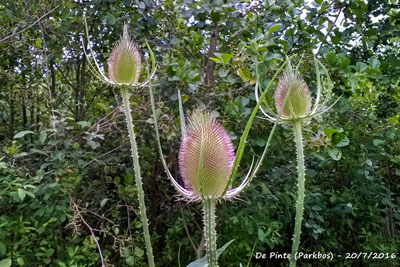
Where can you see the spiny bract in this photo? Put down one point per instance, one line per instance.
(206, 157)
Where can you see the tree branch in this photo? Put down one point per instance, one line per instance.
(76, 208)
(30, 26)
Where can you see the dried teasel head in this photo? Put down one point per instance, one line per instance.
(124, 63)
(206, 157)
(299, 102)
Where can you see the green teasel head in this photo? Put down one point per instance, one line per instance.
(206, 157)
(293, 100)
(124, 63)
(292, 88)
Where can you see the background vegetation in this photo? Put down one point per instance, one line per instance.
(65, 168)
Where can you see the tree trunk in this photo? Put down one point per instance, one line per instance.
(210, 64)
(37, 112)
(23, 107)
(31, 101)
(76, 90)
(82, 91)
(53, 85)
(11, 104)
(31, 98)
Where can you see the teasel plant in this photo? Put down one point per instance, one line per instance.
(124, 68)
(208, 165)
(293, 103)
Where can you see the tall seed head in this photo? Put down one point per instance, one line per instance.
(299, 102)
(206, 156)
(124, 63)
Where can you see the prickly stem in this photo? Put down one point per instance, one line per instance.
(138, 178)
(209, 231)
(300, 190)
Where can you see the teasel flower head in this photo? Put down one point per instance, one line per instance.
(206, 158)
(293, 99)
(298, 103)
(124, 63)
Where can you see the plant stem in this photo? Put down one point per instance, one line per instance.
(300, 191)
(138, 178)
(209, 232)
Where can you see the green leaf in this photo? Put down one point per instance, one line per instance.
(378, 142)
(336, 39)
(297, 11)
(139, 252)
(3, 249)
(130, 260)
(375, 63)
(42, 137)
(21, 194)
(128, 179)
(330, 58)
(38, 43)
(335, 153)
(215, 17)
(222, 73)
(116, 230)
(330, 131)
(319, 2)
(83, 124)
(244, 74)
(22, 134)
(103, 202)
(203, 261)
(261, 235)
(270, 2)
(344, 62)
(361, 66)
(274, 28)
(340, 140)
(53, 219)
(111, 19)
(260, 142)
(39, 151)
(5, 263)
(20, 261)
(216, 60)
(226, 57)
(30, 194)
(275, 56)
(316, 208)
